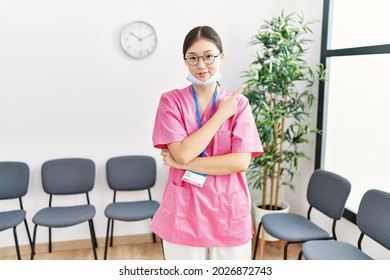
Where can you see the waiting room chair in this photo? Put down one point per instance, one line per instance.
(125, 174)
(66, 177)
(373, 220)
(14, 180)
(327, 192)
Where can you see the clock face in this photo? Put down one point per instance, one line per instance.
(139, 39)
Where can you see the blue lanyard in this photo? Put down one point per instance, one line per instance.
(198, 111)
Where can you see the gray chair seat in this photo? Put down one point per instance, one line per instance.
(292, 227)
(10, 219)
(65, 216)
(332, 250)
(131, 211)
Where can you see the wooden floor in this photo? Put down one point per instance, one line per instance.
(137, 251)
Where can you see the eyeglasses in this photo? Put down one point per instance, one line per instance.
(208, 59)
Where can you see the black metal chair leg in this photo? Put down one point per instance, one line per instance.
(107, 237)
(257, 241)
(300, 255)
(28, 232)
(16, 243)
(154, 237)
(93, 240)
(285, 250)
(49, 240)
(112, 232)
(94, 235)
(33, 242)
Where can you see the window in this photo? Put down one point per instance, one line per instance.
(354, 104)
(358, 23)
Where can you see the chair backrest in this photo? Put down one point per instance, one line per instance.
(133, 172)
(68, 176)
(328, 192)
(373, 217)
(14, 179)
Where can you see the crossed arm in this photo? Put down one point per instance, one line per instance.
(216, 165)
(184, 154)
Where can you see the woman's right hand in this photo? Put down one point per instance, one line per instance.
(168, 159)
(228, 105)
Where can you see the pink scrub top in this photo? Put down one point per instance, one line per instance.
(219, 213)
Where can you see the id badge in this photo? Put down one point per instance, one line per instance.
(194, 178)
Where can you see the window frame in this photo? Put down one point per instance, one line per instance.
(325, 56)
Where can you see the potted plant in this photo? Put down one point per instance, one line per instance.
(279, 88)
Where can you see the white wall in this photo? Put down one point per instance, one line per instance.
(67, 89)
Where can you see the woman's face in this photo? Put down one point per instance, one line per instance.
(208, 50)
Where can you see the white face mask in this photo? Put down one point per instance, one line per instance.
(214, 78)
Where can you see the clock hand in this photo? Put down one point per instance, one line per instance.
(140, 39)
(147, 36)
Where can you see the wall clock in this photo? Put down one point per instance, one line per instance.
(139, 39)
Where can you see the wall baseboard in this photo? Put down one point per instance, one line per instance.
(77, 244)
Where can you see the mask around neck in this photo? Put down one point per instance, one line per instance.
(214, 78)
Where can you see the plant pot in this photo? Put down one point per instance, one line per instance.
(283, 207)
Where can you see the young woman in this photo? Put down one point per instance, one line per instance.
(207, 137)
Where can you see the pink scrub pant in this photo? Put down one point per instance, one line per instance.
(183, 252)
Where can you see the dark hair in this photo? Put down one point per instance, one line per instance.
(199, 32)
